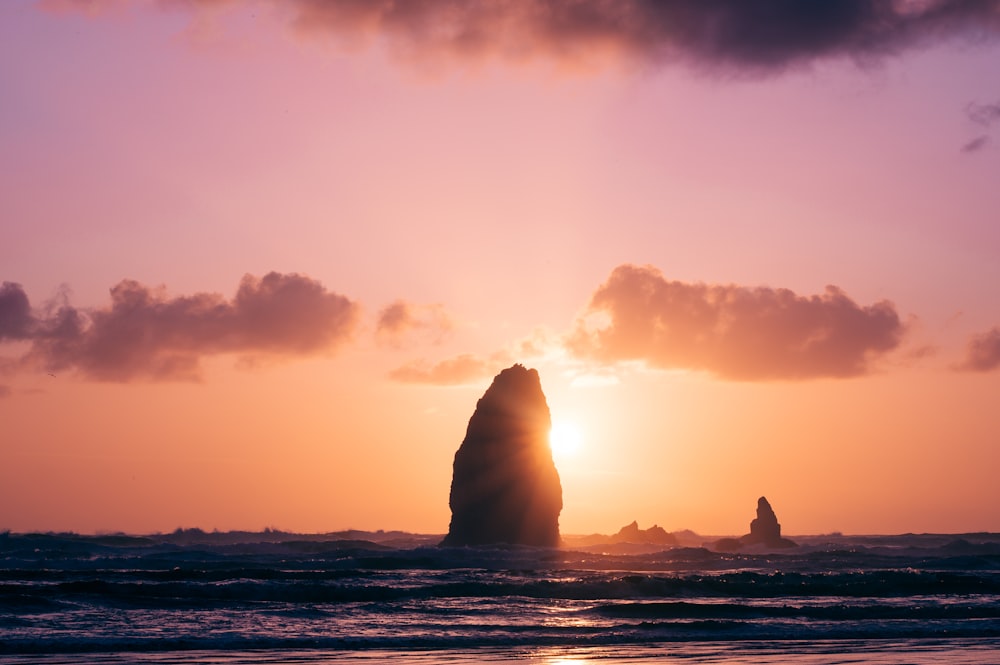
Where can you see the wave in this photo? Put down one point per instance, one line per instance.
(66, 593)
(834, 612)
(364, 586)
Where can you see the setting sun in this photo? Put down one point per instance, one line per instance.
(565, 439)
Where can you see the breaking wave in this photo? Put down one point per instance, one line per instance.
(73, 594)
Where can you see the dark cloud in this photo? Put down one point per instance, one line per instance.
(144, 334)
(983, 114)
(16, 320)
(465, 368)
(761, 35)
(983, 352)
(401, 320)
(976, 144)
(734, 332)
(4, 391)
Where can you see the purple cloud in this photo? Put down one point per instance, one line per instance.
(976, 144)
(735, 332)
(982, 354)
(144, 334)
(762, 35)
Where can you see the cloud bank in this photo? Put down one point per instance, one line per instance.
(763, 34)
(734, 332)
(760, 35)
(144, 334)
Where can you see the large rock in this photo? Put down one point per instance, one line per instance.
(505, 487)
(764, 531)
(654, 535)
(765, 528)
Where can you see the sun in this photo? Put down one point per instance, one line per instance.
(565, 439)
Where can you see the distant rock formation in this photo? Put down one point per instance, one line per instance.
(505, 487)
(630, 539)
(764, 530)
(655, 535)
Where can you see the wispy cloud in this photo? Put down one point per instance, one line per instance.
(976, 144)
(145, 334)
(462, 369)
(982, 354)
(473, 367)
(401, 321)
(762, 35)
(983, 114)
(735, 332)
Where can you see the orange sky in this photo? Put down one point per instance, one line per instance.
(261, 261)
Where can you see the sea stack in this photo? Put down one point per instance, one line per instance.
(764, 531)
(765, 528)
(505, 487)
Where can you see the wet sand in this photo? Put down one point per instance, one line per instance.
(981, 651)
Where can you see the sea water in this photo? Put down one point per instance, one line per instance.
(266, 599)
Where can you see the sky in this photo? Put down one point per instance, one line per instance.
(260, 259)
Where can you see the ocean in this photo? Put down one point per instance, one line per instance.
(270, 597)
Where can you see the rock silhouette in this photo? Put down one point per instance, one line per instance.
(654, 535)
(764, 530)
(505, 487)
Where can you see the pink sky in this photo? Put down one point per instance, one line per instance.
(273, 255)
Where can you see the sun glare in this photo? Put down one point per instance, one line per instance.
(565, 439)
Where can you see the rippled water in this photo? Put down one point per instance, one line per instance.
(120, 599)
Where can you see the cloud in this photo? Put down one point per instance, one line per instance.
(462, 369)
(921, 352)
(4, 391)
(399, 321)
(472, 368)
(976, 144)
(16, 321)
(735, 332)
(762, 35)
(144, 334)
(983, 352)
(983, 114)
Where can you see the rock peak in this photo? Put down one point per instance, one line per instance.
(765, 527)
(505, 487)
(764, 531)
